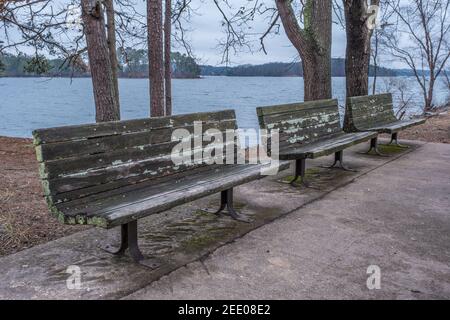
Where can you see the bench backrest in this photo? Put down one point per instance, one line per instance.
(367, 112)
(79, 161)
(301, 123)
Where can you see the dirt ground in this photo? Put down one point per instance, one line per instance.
(24, 217)
(436, 129)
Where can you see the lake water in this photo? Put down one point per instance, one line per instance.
(30, 103)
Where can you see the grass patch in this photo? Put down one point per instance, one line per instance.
(197, 242)
(390, 149)
(309, 173)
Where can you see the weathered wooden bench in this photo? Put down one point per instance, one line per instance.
(114, 173)
(376, 113)
(309, 130)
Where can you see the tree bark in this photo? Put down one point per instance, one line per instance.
(167, 61)
(313, 43)
(111, 31)
(155, 57)
(357, 57)
(106, 106)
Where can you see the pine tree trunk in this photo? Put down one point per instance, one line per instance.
(155, 57)
(313, 43)
(167, 62)
(111, 31)
(106, 105)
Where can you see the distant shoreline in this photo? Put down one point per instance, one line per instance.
(188, 78)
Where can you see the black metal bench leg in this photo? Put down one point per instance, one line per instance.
(339, 157)
(123, 242)
(226, 202)
(129, 240)
(300, 172)
(394, 141)
(374, 148)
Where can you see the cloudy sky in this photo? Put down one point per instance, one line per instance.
(206, 31)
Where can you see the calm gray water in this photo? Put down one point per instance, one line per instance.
(30, 103)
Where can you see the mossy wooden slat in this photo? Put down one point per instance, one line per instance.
(58, 168)
(371, 120)
(397, 126)
(77, 132)
(55, 168)
(62, 150)
(331, 145)
(155, 199)
(203, 187)
(160, 187)
(315, 105)
(378, 98)
(357, 112)
(77, 205)
(327, 146)
(146, 169)
(307, 135)
(300, 120)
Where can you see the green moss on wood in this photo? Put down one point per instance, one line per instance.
(36, 140)
(39, 153)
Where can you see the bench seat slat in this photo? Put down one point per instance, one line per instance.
(398, 125)
(327, 146)
(157, 197)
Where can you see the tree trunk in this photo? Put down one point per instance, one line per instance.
(375, 62)
(106, 105)
(155, 57)
(167, 62)
(357, 57)
(111, 30)
(429, 96)
(313, 44)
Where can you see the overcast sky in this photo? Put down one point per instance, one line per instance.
(206, 31)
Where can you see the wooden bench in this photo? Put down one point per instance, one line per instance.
(309, 130)
(114, 173)
(376, 113)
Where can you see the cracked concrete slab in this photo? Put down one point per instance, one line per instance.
(186, 236)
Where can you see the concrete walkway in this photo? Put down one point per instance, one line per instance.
(396, 217)
(393, 213)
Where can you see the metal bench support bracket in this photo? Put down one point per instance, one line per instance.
(129, 240)
(394, 141)
(374, 148)
(226, 202)
(300, 172)
(339, 157)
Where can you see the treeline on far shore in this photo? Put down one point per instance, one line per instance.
(133, 63)
(281, 69)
